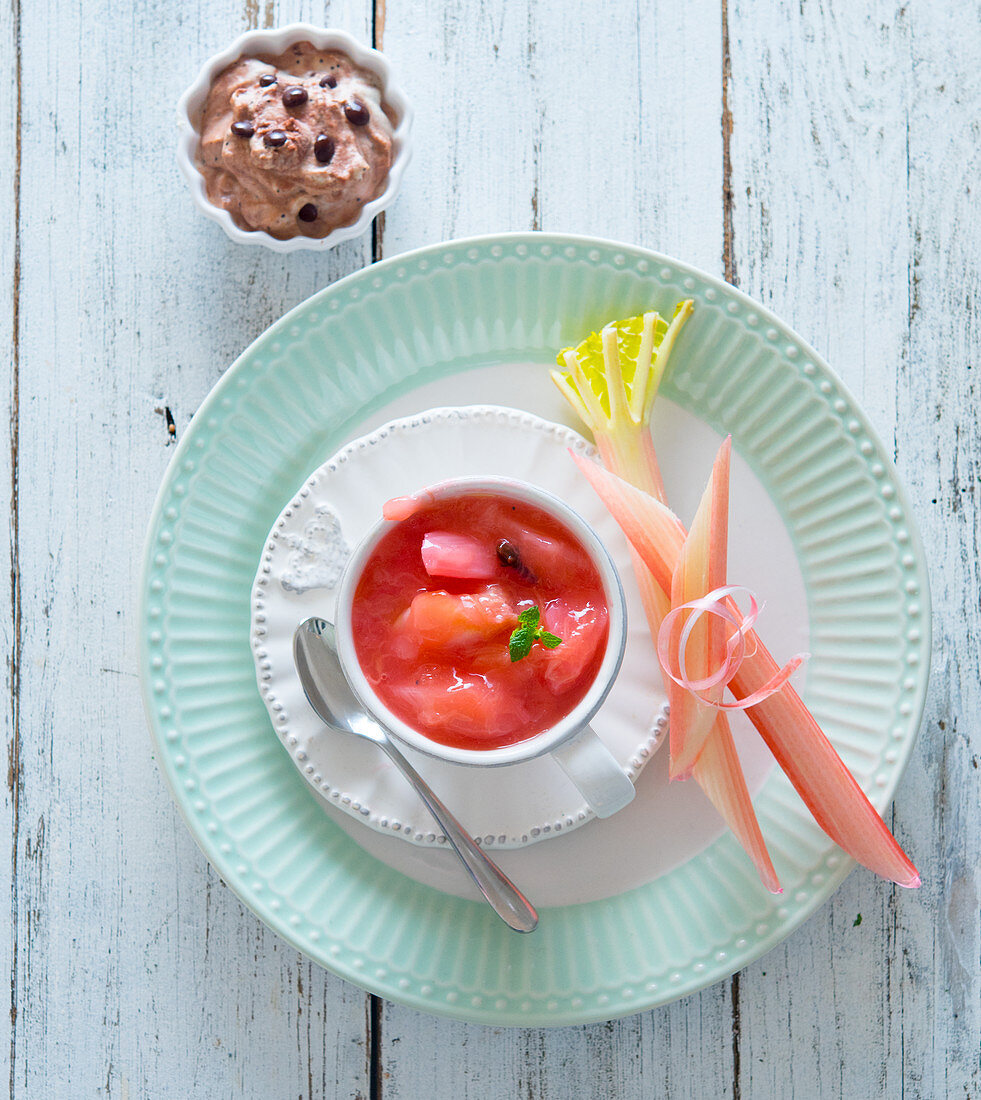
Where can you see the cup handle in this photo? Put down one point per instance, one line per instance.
(595, 772)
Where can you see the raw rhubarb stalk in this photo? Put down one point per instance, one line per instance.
(830, 792)
(611, 381)
(701, 568)
(657, 538)
(671, 650)
(614, 396)
(654, 531)
(655, 601)
(616, 405)
(701, 741)
(720, 775)
(819, 775)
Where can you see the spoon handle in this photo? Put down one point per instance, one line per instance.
(504, 897)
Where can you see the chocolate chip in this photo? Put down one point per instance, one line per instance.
(307, 213)
(323, 149)
(357, 112)
(294, 96)
(267, 80)
(243, 129)
(275, 138)
(329, 81)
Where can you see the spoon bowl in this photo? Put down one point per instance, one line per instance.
(324, 683)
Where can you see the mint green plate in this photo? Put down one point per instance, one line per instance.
(288, 402)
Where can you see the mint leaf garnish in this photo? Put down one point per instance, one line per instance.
(521, 642)
(527, 632)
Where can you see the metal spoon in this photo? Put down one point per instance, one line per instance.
(330, 695)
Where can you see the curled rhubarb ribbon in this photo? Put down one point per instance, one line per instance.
(719, 602)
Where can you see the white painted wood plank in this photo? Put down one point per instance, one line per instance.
(815, 161)
(9, 600)
(934, 957)
(853, 220)
(139, 974)
(571, 117)
(563, 118)
(683, 1051)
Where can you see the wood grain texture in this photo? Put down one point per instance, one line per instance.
(855, 149)
(557, 117)
(10, 618)
(937, 431)
(824, 155)
(138, 973)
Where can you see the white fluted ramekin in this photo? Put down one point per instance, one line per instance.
(191, 107)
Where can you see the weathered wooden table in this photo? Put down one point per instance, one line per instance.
(825, 157)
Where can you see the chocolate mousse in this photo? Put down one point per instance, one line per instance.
(295, 144)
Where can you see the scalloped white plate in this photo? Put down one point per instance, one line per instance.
(505, 807)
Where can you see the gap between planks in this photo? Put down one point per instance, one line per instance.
(729, 271)
(375, 1004)
(728, 250)
(13, 751)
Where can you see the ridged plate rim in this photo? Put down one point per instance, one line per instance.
(632, 976)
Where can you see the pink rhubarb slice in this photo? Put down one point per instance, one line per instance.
(720, 775)
(458, 557)
(828, 789)
(701, 569)
(819, 775)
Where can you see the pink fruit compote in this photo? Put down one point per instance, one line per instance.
(436, 605)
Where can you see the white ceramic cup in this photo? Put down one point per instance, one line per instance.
(571, 742)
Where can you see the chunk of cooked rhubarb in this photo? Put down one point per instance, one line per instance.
(441, 620)
(458, 557)
(582, 628)
(450, 701)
